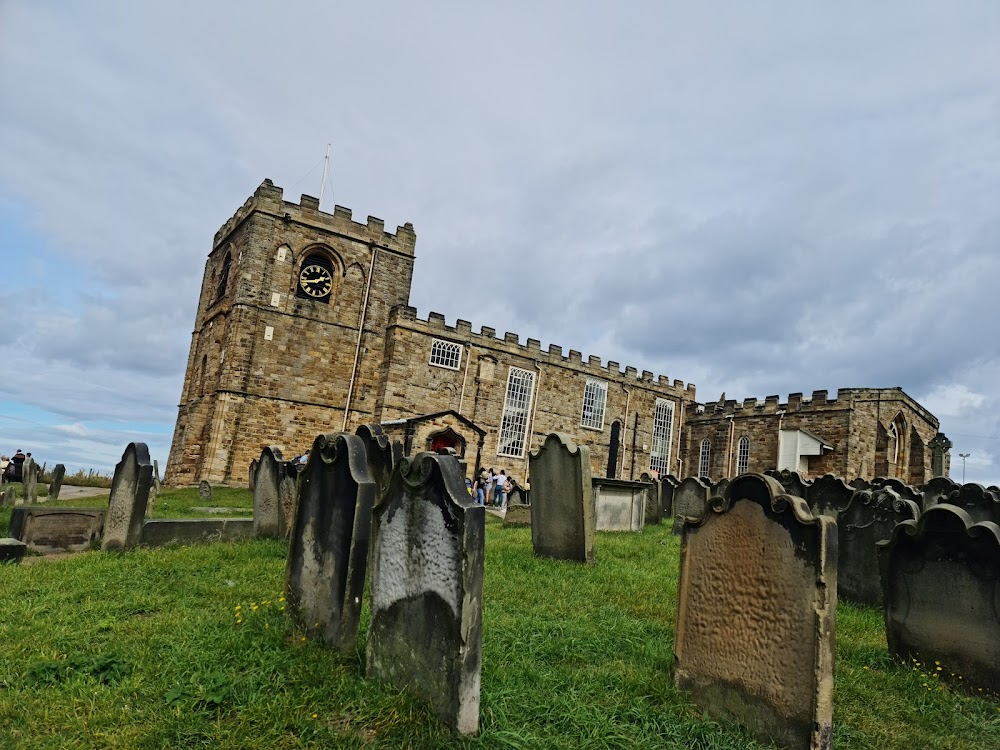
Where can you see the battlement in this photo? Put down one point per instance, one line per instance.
(269, 199)
(435, 325)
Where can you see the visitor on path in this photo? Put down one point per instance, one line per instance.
(507, 487)
(481, 487)
(499, 481)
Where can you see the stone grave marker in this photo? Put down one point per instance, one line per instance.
(268, 513)
(378, 455)
(328, 553)
(55, 486)
(756, 607)
(902, 489)
(869, 518)
(156, 477)
(562, 501)
(8, 497)
(252, 474)
(427, 587)
(690, 498)
(937, 491)
(981, 504)
(668, 484)
(12, 550)
(204, 490)
(29, 481)
(828, 495)
(940, 592)
(792, 481)
(860, 484)
(46, 529)
(719, 488)
(129, 494)
(619, 504)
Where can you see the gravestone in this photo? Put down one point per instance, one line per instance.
(668, 484)
(690, 498)
(129, 495)
(653, 503)
(58, 474)
(378, 456)
(719, 488)
(12, 550)
(981, 504)
(902, 489)
(869, 518)
(46, 529)
(29, 481)
(156, 477)
(940, 588)
(252, 474)
(828, 495)
(619, 504)
(8, 497)
(860, 484)
(939, 445)
(328, 553)
(268, 513)
(426, 589)
(791, 481)
(517, 515)
(288, 497)
(756, 607)
(204, 490)
(562, 501)
(937, 491)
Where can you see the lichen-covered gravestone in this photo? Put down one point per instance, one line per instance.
(204, 490)
(941, 588)
(756, 606)
(268, 514)
(29, 479)
(562, 501)
(426, 588)
(129, 495)
(328, 553)
(690, 498)
(869, 518)
(55, 486)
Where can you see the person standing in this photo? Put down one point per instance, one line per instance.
(498, 482)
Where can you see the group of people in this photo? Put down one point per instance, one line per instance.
(11, 468)
(492, 488)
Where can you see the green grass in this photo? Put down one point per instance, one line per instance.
(145, 650)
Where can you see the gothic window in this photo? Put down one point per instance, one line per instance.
(705, 458)
(516, 409)
(743, 455)
(315, 279)
(446, 354)
(220, 290)
(595, 396)
(663, 426)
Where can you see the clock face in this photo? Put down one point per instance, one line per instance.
(316, 281)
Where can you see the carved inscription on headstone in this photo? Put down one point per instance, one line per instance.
(328, 553)
(129, 495)
(427, 587)
(562, 502)
(756, 606)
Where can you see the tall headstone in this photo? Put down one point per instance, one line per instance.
(29, 479)
(562, 502)
(690, 498)
(828, 495)
(328, 553)
(756, 606)
(129, 494)
(869, 518)
(939, 445)
(378, 455)
(55, 486)
(940, 591)
(668, 484)
(204, 490)
(980, 503)
(268, 514)
(252, 474)
(426, 588)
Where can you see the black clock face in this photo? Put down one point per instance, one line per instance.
(316, 281)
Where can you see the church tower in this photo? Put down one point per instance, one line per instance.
(289, 337)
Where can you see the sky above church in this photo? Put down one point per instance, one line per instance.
(759, 198)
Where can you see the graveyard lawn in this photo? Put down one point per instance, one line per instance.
(190, 647)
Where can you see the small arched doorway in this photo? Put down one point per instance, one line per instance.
(616, 429)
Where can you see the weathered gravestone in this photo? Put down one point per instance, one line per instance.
(562, 501)
(252, 474)
(328, 553)
(937, 491)
(55, 486)
(828, 495)
(379, 456)
(939, 445)
(426, 588)
(29, 481)
(129, 494)
(690, 498)
(156, 477)
(8, 497)
(902, 489)
(720, 487)
(941, 586)
(869, 518)
(980, 503)
(12, 550)
(269, 519)
(619, 505)
(668, 484)
(859, 483)
(46, 529)
(204, 490)
(756, 607)
(791, 481)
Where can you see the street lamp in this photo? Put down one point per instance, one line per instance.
(963, 457)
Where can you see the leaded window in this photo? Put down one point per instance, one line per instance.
(743, 455)
(705, 458)
(595, 396)
(663, 426)
(516, 409)
(446, 354)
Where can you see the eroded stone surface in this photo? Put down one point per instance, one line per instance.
(426, 588)
(619, 505)
(755, 613)
(941, 589)
(562, 501)
(129, 494)
(328, 552)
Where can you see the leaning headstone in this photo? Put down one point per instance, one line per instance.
(668, 484)
(204, 490)
(426, 588)
(690, 498)
(378, 455)
(268, 515)
(937, 491)
(980, 503)
(328, 553)
(792, 481)
(756, 606)
(719, 488)
(58, 474)
(828, 495)
(12, 550)
(939, 583)
(869, 518)
(562, 502)
(29, 479)
(129, 495)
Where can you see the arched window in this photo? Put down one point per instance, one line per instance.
(705, 458)
(743, 455)
(220, 290)
(316, 278)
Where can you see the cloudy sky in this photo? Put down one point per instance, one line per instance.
(759, 198)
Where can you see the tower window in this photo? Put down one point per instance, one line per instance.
(315, 279)
(663, 426)
(595, 396)
(446, 354)
(743, 455)
(220, 290)
(705, 458)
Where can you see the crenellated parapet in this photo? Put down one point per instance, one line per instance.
(435, 325)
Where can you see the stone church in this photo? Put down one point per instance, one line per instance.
(304, 327)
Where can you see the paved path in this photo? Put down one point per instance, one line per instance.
(71, 492)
